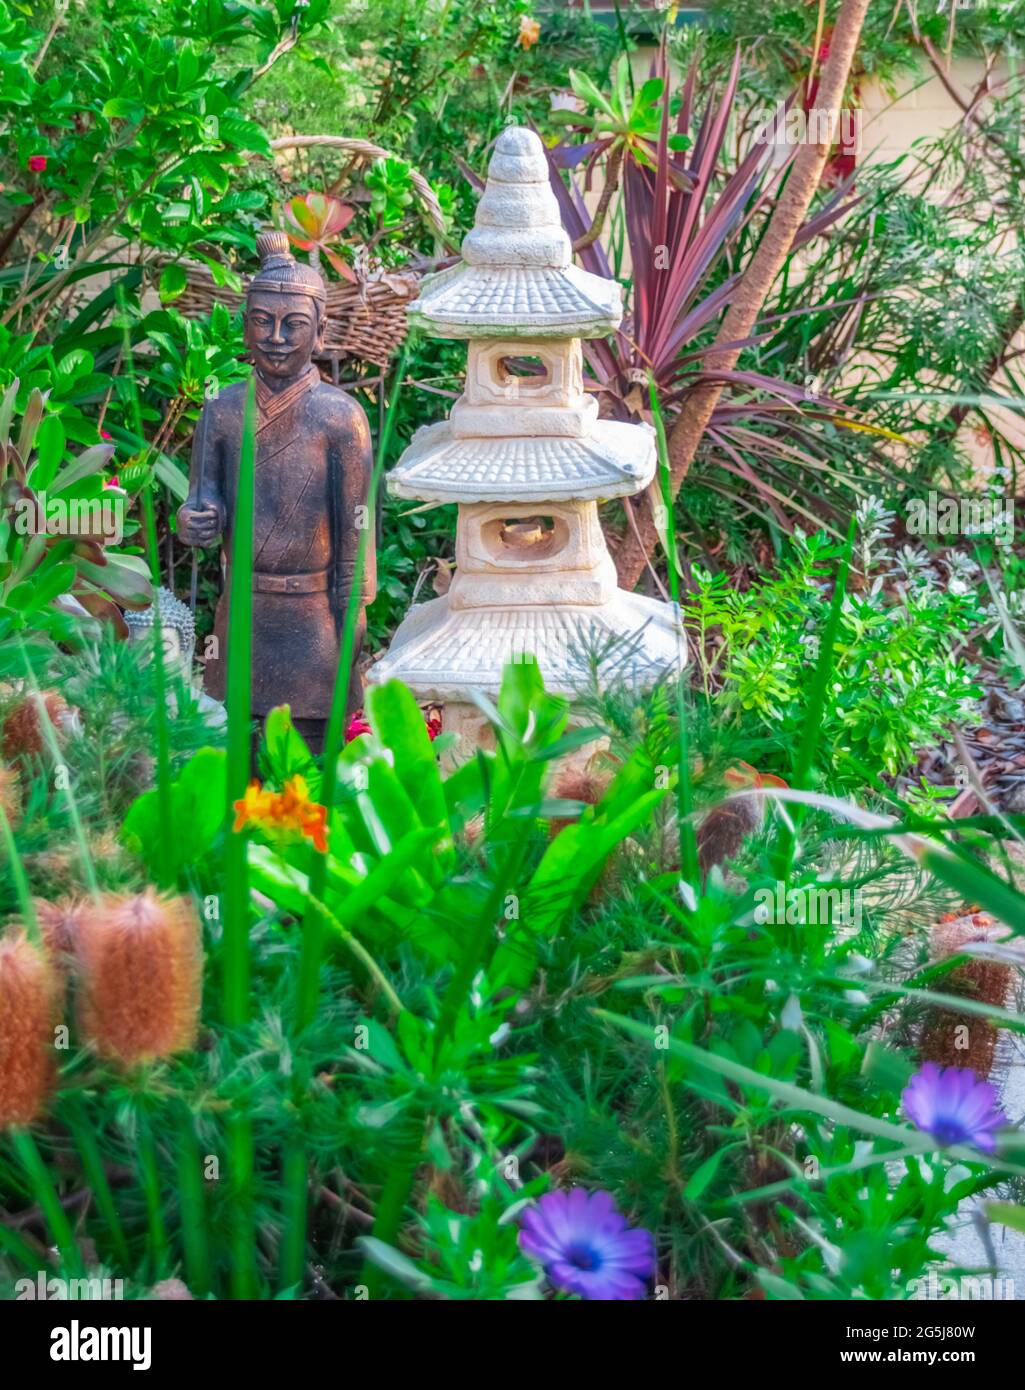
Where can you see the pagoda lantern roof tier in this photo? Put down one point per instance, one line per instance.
(516, 278)
(613, 460)
(513, 301)
(440, 652)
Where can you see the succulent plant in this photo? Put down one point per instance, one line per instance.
(57, 574)
(313, 223)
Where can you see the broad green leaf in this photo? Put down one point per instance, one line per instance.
(284, 752)
(571, 863)
(30, 419)
(123, 109)
(703, 1175)
(778, 1288)
(647, 95)
(173, 282)
(585, 89)
(89, 462)
(387, 1258)
(1006, 1214)
(398, 722)
(124, 577)
(51, 442)
(33, 594)
(197, 802)
(385, 877)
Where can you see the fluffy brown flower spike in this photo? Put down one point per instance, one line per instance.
(24, 730)
(140, 975)
(10, 798)
(29, 990)
(58, 924)
(965, 1040)
(578, 784)
(57, 870)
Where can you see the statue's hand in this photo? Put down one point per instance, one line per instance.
(199, 525)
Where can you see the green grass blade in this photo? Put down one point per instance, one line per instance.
(236, 869)
(684, 797)
(243, 1247)
(149, 1181)
(391, 1204)
(19, 1249)
(812, 730)
(165, 848)
(796, 1098)
(21, 888)
(49, 1203)
(193, 1209)
(294, 1182)
(240, 656)
(96, 1176)
(312, 948)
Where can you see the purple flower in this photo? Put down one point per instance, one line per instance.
(586, 1245)
(954, 1106)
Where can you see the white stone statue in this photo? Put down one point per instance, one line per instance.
(527, 460)
(178, 638)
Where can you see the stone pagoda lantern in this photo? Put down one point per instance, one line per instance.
(527, 459)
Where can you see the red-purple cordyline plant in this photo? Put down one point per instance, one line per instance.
(691, 223)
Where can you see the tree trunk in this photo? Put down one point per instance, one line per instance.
(739, 321)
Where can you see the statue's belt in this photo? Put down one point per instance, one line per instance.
(314, 583)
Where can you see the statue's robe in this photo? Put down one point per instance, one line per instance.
(313, 466)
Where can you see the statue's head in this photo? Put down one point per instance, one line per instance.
(177, 631)
(286, 310)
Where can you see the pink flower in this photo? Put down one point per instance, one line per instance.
(37, 163)
(357, 725)
(104, 434)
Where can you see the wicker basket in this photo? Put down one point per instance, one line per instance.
(365, 321)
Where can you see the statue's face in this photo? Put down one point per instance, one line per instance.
(177, 652)
(281, 332)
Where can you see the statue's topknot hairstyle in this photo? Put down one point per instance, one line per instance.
(281, 273)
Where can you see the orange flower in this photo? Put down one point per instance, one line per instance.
(284, 814)
(530, 32)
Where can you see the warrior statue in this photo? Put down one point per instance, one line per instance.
(313, 465)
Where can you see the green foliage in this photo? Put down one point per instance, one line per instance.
(495, 990)
(132, 118)
(57, 573)
(472, 1255)
(780, 35)
(520, 989)
(899, 676)
(390, 188)
(197, 813)
(629, 120)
